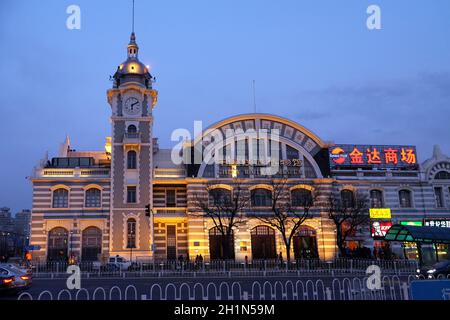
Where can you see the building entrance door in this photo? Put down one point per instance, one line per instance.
(171, 242)
(305, 243)
(263, 243)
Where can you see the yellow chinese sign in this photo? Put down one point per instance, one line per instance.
(380, 213)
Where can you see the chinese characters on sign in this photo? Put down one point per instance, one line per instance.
(245, 168)
(443, 223)
(373, 156)
(380, 213)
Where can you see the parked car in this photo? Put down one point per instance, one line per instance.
(114, 264)
(22, 277)
(441, 268)
(21, 268)
(6, 284)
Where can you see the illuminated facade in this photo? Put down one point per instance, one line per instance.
(90, 205)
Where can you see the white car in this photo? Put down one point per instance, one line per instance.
(114, 264)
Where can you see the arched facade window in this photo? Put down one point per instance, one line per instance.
(131, 233)
(261, 197)
(58, 239)
(301, 197)
(376, 199)
(131, 159)
(93, 198)
(347, 198)
(91, 244)
(221, 246)
(132, 129)
(60, 198)
(263, 243)
(405, 198)
(442, 175)
(219, 197)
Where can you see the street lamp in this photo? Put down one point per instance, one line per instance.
(149, 213)
(71, 242)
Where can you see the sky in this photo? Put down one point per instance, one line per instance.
(314, 62)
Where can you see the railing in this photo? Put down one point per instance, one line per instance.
(57, 172)
(75, 172)
(131, 137)
(169, 173)
(94, 172)
(170, 210)
(229, 268)
(355, 288)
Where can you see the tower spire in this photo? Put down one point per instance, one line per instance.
(132, 46)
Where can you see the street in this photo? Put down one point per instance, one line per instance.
(279, 287)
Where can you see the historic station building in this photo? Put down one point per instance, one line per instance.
(93, 204)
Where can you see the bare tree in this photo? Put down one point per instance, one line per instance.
(226, 209)
(286, 216)
(348, 215)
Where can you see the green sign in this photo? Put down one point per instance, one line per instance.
(411, 223)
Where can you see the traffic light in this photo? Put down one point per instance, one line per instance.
(147, 210)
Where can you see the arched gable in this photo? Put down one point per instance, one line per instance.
(293, 139)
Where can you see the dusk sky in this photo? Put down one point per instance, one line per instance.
(314, 62)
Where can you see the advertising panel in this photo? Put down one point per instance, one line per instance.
(380, 228)
(373, 156)
(380, 213)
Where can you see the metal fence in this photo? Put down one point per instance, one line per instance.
(392, 288)
(232, 268)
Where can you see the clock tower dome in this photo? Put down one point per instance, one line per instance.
(132, 99)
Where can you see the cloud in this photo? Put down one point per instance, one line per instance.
(412, 110)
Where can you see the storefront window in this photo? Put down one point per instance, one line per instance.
(410, 250)
(443, 251)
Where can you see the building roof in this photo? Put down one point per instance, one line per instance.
(418, 234)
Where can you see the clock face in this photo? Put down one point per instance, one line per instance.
(132, 106)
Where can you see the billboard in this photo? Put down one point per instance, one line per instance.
(373, 156)
(380, 228)
(442, 223)
(380, 213)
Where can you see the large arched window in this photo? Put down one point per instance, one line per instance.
(219, 197)
(404, 197)
(58, 239)
(131, 159)
(221, 244)
(376, 199)
(93, 198)
(131, 233)
(60, 198)
(442, 175)
(347, 198)
(301, 197)
(263, 243)
(261, 197)
(91, 244)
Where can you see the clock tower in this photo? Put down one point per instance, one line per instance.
(132, 99)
